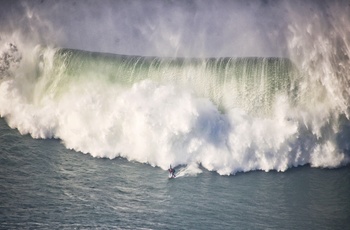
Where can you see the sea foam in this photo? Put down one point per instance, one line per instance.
(162, 122)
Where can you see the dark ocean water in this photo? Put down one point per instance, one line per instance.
(43, 185)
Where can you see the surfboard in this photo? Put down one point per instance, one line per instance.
(171, 176)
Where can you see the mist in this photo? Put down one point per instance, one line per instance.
(167, 28)
(154, 28)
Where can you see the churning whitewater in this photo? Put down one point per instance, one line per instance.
(275, 95)
(225, 114)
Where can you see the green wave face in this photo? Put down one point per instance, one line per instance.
(249, 83)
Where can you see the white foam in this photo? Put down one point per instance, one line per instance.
(162, 124)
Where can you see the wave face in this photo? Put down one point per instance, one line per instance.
(225, 114)
(248, 83)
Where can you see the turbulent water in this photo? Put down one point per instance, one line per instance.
(225, 114)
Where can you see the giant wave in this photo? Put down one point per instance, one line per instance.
(224, 114)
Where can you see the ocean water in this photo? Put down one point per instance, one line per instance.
(249, 102)
(45, 186)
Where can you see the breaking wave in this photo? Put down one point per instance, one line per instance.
(225, 114)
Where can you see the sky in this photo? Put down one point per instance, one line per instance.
(161, 27)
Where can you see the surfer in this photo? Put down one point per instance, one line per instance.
(172, 172)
